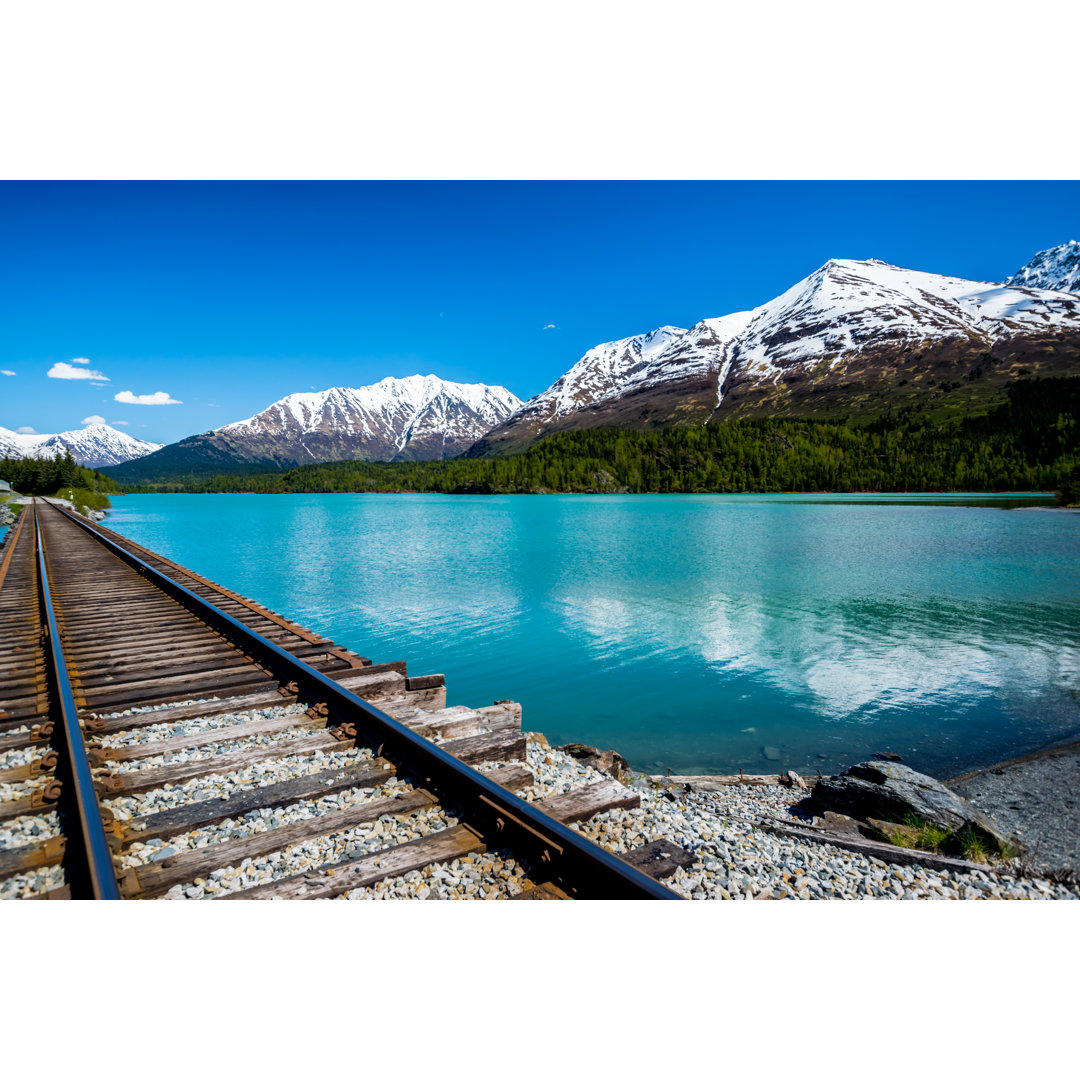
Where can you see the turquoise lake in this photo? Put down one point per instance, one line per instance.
(687, 632)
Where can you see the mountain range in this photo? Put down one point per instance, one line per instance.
(848, 342)
(94, 445)
(854, 339)
(418, 418)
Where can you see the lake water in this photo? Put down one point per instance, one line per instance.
(686, 632)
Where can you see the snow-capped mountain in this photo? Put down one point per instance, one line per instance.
(418, 418)
(95, 445)
(1055, 268)
(852, 332)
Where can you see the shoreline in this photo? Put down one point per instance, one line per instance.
(741, 840)
(1033, 797)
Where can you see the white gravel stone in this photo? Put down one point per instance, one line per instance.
(31, 883)
(20, 789)
(29, 829)
(141, 709)
(27, 755)
(196, 725)
(206, 753)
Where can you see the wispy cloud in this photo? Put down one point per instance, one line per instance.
(61, 370)
(120, 423)
(4, 371)
(92, 419)
(551, 326)
(25, 431)
(80, 360)
(159, 397)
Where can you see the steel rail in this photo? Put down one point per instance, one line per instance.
(11, 538)
(100, 874)
(558, 853)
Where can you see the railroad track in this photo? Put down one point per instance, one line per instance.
(161, 736)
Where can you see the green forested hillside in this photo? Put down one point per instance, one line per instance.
(51, 476)
(1030, 442)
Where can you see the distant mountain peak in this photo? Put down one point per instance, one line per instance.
(95, 445)
(1056, 268)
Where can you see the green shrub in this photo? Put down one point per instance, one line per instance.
(83, 499)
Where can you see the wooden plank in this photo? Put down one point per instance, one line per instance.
(157, 878)
(23, 739)
(332, 880)
(426, 682)
(242, 730)
(460, 721)
(32, 856)
(222, 674)
(495, 746)
(243, 680)
(586, 802)
(262, 700)
(157, 658)
(130, 783)
(660, 859)
(511, 777)
(34, 803)
(182, 819)
(18, 773)
(885, 852)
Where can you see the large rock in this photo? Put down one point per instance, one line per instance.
(891, 791)
(606, 761)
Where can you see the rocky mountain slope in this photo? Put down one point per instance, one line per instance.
(1055, 268)
(851, 340)
(95, 445)
(418, 418)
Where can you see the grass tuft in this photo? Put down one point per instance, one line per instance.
(967, 843)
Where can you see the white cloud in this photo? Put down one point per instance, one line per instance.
(159, 397)
(4, 371)
(92, 419)
(79, 360)
(60, 370)
(25, 431)
(551, 326)
(121, 423)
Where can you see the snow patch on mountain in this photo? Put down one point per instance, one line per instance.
(1055, 268)
(94, 446)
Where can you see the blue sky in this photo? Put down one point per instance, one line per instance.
(225, 297)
